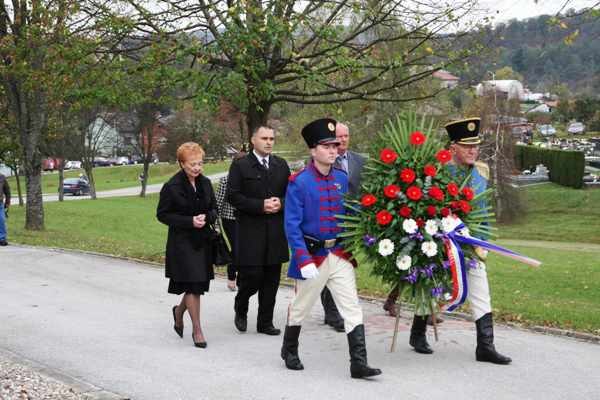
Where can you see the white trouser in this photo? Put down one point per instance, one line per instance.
(479, 291)
(338, 275)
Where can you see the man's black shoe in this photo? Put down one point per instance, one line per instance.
(269, 330)
(241, 323)
(3, 243)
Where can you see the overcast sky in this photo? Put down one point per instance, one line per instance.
(503, 10)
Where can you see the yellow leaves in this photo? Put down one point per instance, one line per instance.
(429, 50)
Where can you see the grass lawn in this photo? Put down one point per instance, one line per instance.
(108, 178)
(558, 213)
(564, 292)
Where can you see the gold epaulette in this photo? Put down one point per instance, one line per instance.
(483, 169)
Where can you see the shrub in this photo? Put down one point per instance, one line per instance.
(566, 166)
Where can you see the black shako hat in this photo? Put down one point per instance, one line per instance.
(320, 131)
(465, 131)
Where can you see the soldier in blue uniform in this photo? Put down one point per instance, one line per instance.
(314, 197)
(464, 145)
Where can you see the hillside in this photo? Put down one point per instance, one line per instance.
(541, 51)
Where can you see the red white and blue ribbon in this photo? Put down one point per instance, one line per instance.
(456, 234)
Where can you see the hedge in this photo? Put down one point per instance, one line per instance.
(566, 166)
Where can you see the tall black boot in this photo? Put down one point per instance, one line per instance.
(333, 317)
(358, 354)
(418, 340)
(486, 351)
(289, 349)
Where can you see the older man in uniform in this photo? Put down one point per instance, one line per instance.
(314, 197)
(464, 145)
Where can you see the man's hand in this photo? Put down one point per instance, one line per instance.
(481, 253)
(309, 271)
(199, 220)
(272, 205)
(276, 203)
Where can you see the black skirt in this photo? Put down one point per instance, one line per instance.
(198, 288)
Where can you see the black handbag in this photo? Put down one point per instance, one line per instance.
(221, 252)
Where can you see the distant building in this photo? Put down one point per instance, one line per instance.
(510, 88)
(448, 80)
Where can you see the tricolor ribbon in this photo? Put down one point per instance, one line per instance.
(456, 234)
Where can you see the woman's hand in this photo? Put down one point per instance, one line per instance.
(199, 221)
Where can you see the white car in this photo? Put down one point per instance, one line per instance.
(575, 128)
(73, 165)
(546, 130)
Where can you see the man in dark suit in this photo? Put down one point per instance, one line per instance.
(351, 163)
(256, 189)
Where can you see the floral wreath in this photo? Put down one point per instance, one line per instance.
(409, 201)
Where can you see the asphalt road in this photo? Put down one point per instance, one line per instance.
(107, 322)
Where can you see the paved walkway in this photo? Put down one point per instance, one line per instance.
(107, 323)
(130, 191)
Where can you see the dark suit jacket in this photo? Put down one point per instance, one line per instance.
(260, 237)
(188, 255)
(355, 166)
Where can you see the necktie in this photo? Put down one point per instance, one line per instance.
(264, 163)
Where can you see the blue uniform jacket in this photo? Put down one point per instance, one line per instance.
(478, 181)
(311, 202)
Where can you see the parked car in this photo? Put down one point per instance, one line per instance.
(122, 161)
(546, 130)
(102, 162)
(76, 186)
(73, 165)
(575, 128)
(50, 164)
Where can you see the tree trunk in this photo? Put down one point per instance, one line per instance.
(144, 179)
(88, 167)
(32, 123)
(61, 180)
(257, 115)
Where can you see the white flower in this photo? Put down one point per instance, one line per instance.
(429, 248)
(449, 223)
(403, 262)
(386, 247)
(410, 225)
(431, 227)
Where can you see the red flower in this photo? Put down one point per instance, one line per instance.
(407, 175)
(417, 138)
(430, 170)
(431, 211)
(391, 191)
(388, 156)
(454, 205)
(444, 212)
(414, 193)
(452, 189)
(443, 156)
(368, 200)
(420, 222)
(405, 211)
(464, 206)
(384, 217)
(468, 193)
(436, 193)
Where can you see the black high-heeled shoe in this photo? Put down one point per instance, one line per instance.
(178, 329)
(199, 344)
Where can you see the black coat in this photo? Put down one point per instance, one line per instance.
(188, 256)
(260, 237)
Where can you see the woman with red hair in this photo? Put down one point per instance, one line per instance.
(188, 207)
